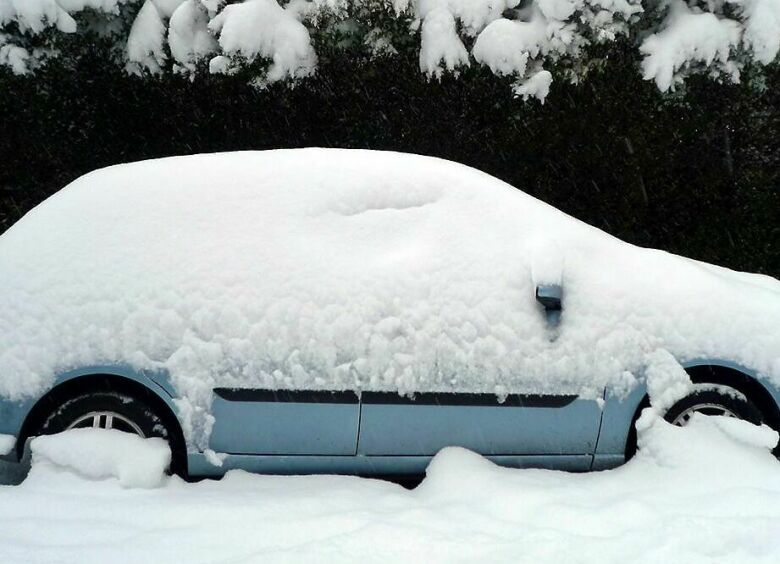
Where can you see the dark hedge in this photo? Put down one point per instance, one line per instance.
(696, 174)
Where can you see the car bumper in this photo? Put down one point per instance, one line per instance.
(12, 416)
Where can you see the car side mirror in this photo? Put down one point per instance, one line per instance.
(551, 297)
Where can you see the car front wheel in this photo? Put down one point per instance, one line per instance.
(713, 400)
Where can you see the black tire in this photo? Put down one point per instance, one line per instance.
(128, 407)
(714, 400)
(125, 406)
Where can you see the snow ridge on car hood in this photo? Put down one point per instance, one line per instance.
(334, 269)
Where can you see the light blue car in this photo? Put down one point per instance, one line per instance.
(197, 299)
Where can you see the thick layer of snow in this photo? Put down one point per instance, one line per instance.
(506, 45)
(338, 269)
(762, 27)
(262, 28)
(537, 86)
(14, 57)
(519, 39)
(709, 492)
(440, 45)
(99, 454)
(667, 381)
(7, 443)
(690, 37)
(189, 37)
(146, 42)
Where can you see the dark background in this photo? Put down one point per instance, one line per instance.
(695, 173)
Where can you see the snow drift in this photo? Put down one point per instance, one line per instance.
(342, 269)
(100, 454)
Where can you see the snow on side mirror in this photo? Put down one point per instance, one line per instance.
(550, 296)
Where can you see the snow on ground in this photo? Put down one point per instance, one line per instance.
(709, 492)
(98, 454)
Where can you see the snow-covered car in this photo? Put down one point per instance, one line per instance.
(322, 310)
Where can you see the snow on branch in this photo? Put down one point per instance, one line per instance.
(278, 39)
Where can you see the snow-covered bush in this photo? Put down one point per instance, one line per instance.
(533, 41)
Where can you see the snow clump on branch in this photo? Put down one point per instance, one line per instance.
(533, 41)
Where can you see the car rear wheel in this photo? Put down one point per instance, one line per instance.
(107, 420)
(713, 400)
(112, 410)
(106, 410)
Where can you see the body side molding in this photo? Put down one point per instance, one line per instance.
(393, 398)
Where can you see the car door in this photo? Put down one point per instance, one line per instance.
(284, 422)
(519, 425)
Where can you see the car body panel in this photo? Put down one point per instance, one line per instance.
(267, 422)
(616, 419)
(519, 425)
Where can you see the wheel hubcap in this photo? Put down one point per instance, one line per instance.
(106, 420)
(705, 409)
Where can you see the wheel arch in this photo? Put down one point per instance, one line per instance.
(617, 434)
(713, 371)
(112, 379)
(758, 390)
